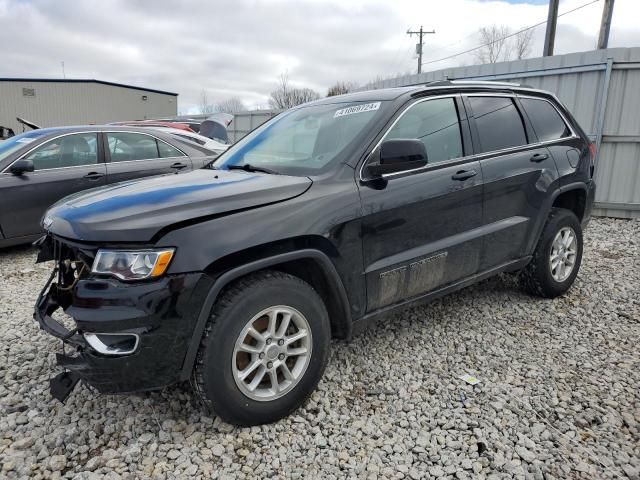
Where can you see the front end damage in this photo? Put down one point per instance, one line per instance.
(124, 336)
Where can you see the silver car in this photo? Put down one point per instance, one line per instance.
(40, 167)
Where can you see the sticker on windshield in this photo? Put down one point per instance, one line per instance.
(25, 140)
(367, 107)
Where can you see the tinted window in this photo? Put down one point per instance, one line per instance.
(498, 122)
(546, 120)
(67, 151)
(167, 151)
(124, 147)
(436, 124)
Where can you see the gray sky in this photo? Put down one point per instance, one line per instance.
(240, 47)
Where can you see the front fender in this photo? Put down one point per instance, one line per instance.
(229, 276)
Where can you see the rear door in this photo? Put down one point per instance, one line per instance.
(132, 155)
(63, 165)
(518, 173)
(419, 227)
(555, 132)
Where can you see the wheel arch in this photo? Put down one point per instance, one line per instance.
(309, 264)
(558, 199)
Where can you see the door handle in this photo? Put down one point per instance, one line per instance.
(539, 157)
(464, 174)
(178, 166)
(94, 175)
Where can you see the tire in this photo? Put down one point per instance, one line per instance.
(538, 278)
(221, 360)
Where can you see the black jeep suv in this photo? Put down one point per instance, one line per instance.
(327, 216)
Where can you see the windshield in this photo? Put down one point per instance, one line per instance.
(10, 146)
(303, 141)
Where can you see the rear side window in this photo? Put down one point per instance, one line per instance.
(124, 147)
(167, 151)
(498, 123)
(435, 123)
(546, 121)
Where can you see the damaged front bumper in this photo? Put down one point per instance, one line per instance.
(160, 315)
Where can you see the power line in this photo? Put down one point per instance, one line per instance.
(508, 36)
(420, 44)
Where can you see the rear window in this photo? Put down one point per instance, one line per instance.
(498, 122)
(545, 119)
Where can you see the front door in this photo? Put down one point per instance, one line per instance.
(419, 227)
(62, 166)
(133, 155)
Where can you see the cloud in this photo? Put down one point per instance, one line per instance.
(240, 47)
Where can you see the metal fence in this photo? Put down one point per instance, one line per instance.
(602, 90)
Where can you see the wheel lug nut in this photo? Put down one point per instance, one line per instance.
(261, 355)
(281, 356)
(268, 341)
(280, 342)
(270, 364)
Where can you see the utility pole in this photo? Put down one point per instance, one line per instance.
(419, 45)
(550, 36)
(605, 24)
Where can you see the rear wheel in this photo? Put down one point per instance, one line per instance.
(264, 350)
(557, 257)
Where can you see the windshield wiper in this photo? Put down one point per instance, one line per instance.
(247, 167)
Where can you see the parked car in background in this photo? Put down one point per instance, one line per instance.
(328, 216)
(213, 127)
(154, 123)
(39, 167)
(208, 143)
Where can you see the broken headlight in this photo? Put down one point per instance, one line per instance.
(132, 265)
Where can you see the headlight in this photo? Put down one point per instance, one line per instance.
(132, 265)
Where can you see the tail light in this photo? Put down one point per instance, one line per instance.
(592, 151)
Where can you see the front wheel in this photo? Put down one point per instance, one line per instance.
(556, 260)
(264, 350)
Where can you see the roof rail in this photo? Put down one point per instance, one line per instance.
(445, 83)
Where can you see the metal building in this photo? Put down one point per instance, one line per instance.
(55, 102)
(601, 88)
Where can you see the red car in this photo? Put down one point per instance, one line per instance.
(154, 123)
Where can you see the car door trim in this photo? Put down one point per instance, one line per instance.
(443, 244)
(6, 169)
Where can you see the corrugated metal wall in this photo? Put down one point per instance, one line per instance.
(602, 90)
(59, 103)
(244, 122)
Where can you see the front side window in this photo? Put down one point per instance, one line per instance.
(435, 123)
(546, 121)
(68, 151)
(498, 123)
(304, 141)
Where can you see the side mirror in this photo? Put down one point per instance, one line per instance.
(398, 155)
(21, 166)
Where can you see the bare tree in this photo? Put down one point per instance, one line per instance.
(522, 44)
(231, 105)
(340, 88)
(205, 106)
(495, 46)
(285, 96)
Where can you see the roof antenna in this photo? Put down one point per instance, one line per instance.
(63, 74)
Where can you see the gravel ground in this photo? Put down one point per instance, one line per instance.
(559, 395)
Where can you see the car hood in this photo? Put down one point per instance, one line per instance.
(137, 210)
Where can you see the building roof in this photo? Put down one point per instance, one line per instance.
(86, 80)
